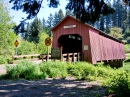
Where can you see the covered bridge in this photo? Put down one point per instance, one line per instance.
(75, 36)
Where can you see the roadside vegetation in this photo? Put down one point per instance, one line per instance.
(117, 81)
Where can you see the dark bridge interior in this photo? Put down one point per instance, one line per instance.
(71, 43)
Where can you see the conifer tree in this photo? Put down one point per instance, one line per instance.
(35, 30)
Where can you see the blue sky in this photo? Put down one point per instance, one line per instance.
(44, 12)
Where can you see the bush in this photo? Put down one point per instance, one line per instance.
(82, 69)
(54, 69)
(120, 85)
(29, 70)
(5, 59)
(24, 69)
(26, 47)
(127, 48)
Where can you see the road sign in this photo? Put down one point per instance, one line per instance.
(16, 43)
(48, 41)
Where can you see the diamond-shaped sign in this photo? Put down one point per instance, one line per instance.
(48, 41)
(16, 43)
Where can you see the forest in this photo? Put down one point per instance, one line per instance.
(31, 36)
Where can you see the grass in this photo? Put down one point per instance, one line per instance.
(80, 70)
(118, 80)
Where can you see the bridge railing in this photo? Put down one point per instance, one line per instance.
(70, 57)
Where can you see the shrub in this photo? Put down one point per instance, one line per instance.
(81, 70)
(54, 69)
(24, 69)
(127, 48)
(120, 84)
(5, 59)
(26, 47)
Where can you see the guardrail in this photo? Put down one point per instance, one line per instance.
(70, 57)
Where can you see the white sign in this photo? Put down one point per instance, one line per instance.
(85, 47)
(69, 26)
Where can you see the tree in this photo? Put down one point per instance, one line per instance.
(7, 36)
(41, 47)
(58, 17)
(102, 23)
(26, 35)
(116, 33)
(49, 24)
(56, 20)
(69, 12)
(43, 23)
(85, 10)
(50, 21)
(35, 30)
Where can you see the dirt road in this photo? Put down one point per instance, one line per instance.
(68, 87)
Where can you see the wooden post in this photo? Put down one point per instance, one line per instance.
(42, 58)
(47, 53)
(73, 58)
(24, 57)
(61, 56)
(68, 57)
(78, 56)
(46, 58)
(31, 57)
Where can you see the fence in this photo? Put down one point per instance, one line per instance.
(70, 57)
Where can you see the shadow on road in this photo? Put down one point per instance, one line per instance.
(51, 88)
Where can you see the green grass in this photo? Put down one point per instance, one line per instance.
(80, 70)
(116, 80)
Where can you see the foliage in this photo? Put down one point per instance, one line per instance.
(127, 48)
(117, 80)
(90, 12)
(26, 47)
(58, 17)
(6, 59)
(49, 25)
(120, 18)
(54, 69)
(3, 60)
(120, 85)
(7, 36)
(85, 10)
(41, 47)
(25, 70)
(29, 70)
(81, 70)
(102, 23)
(116, 33)
(35, 29)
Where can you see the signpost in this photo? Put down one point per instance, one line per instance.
(16, 43)
(48, 43)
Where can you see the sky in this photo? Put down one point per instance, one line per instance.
(44, 11)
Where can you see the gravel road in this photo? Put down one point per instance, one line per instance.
(68, 87)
